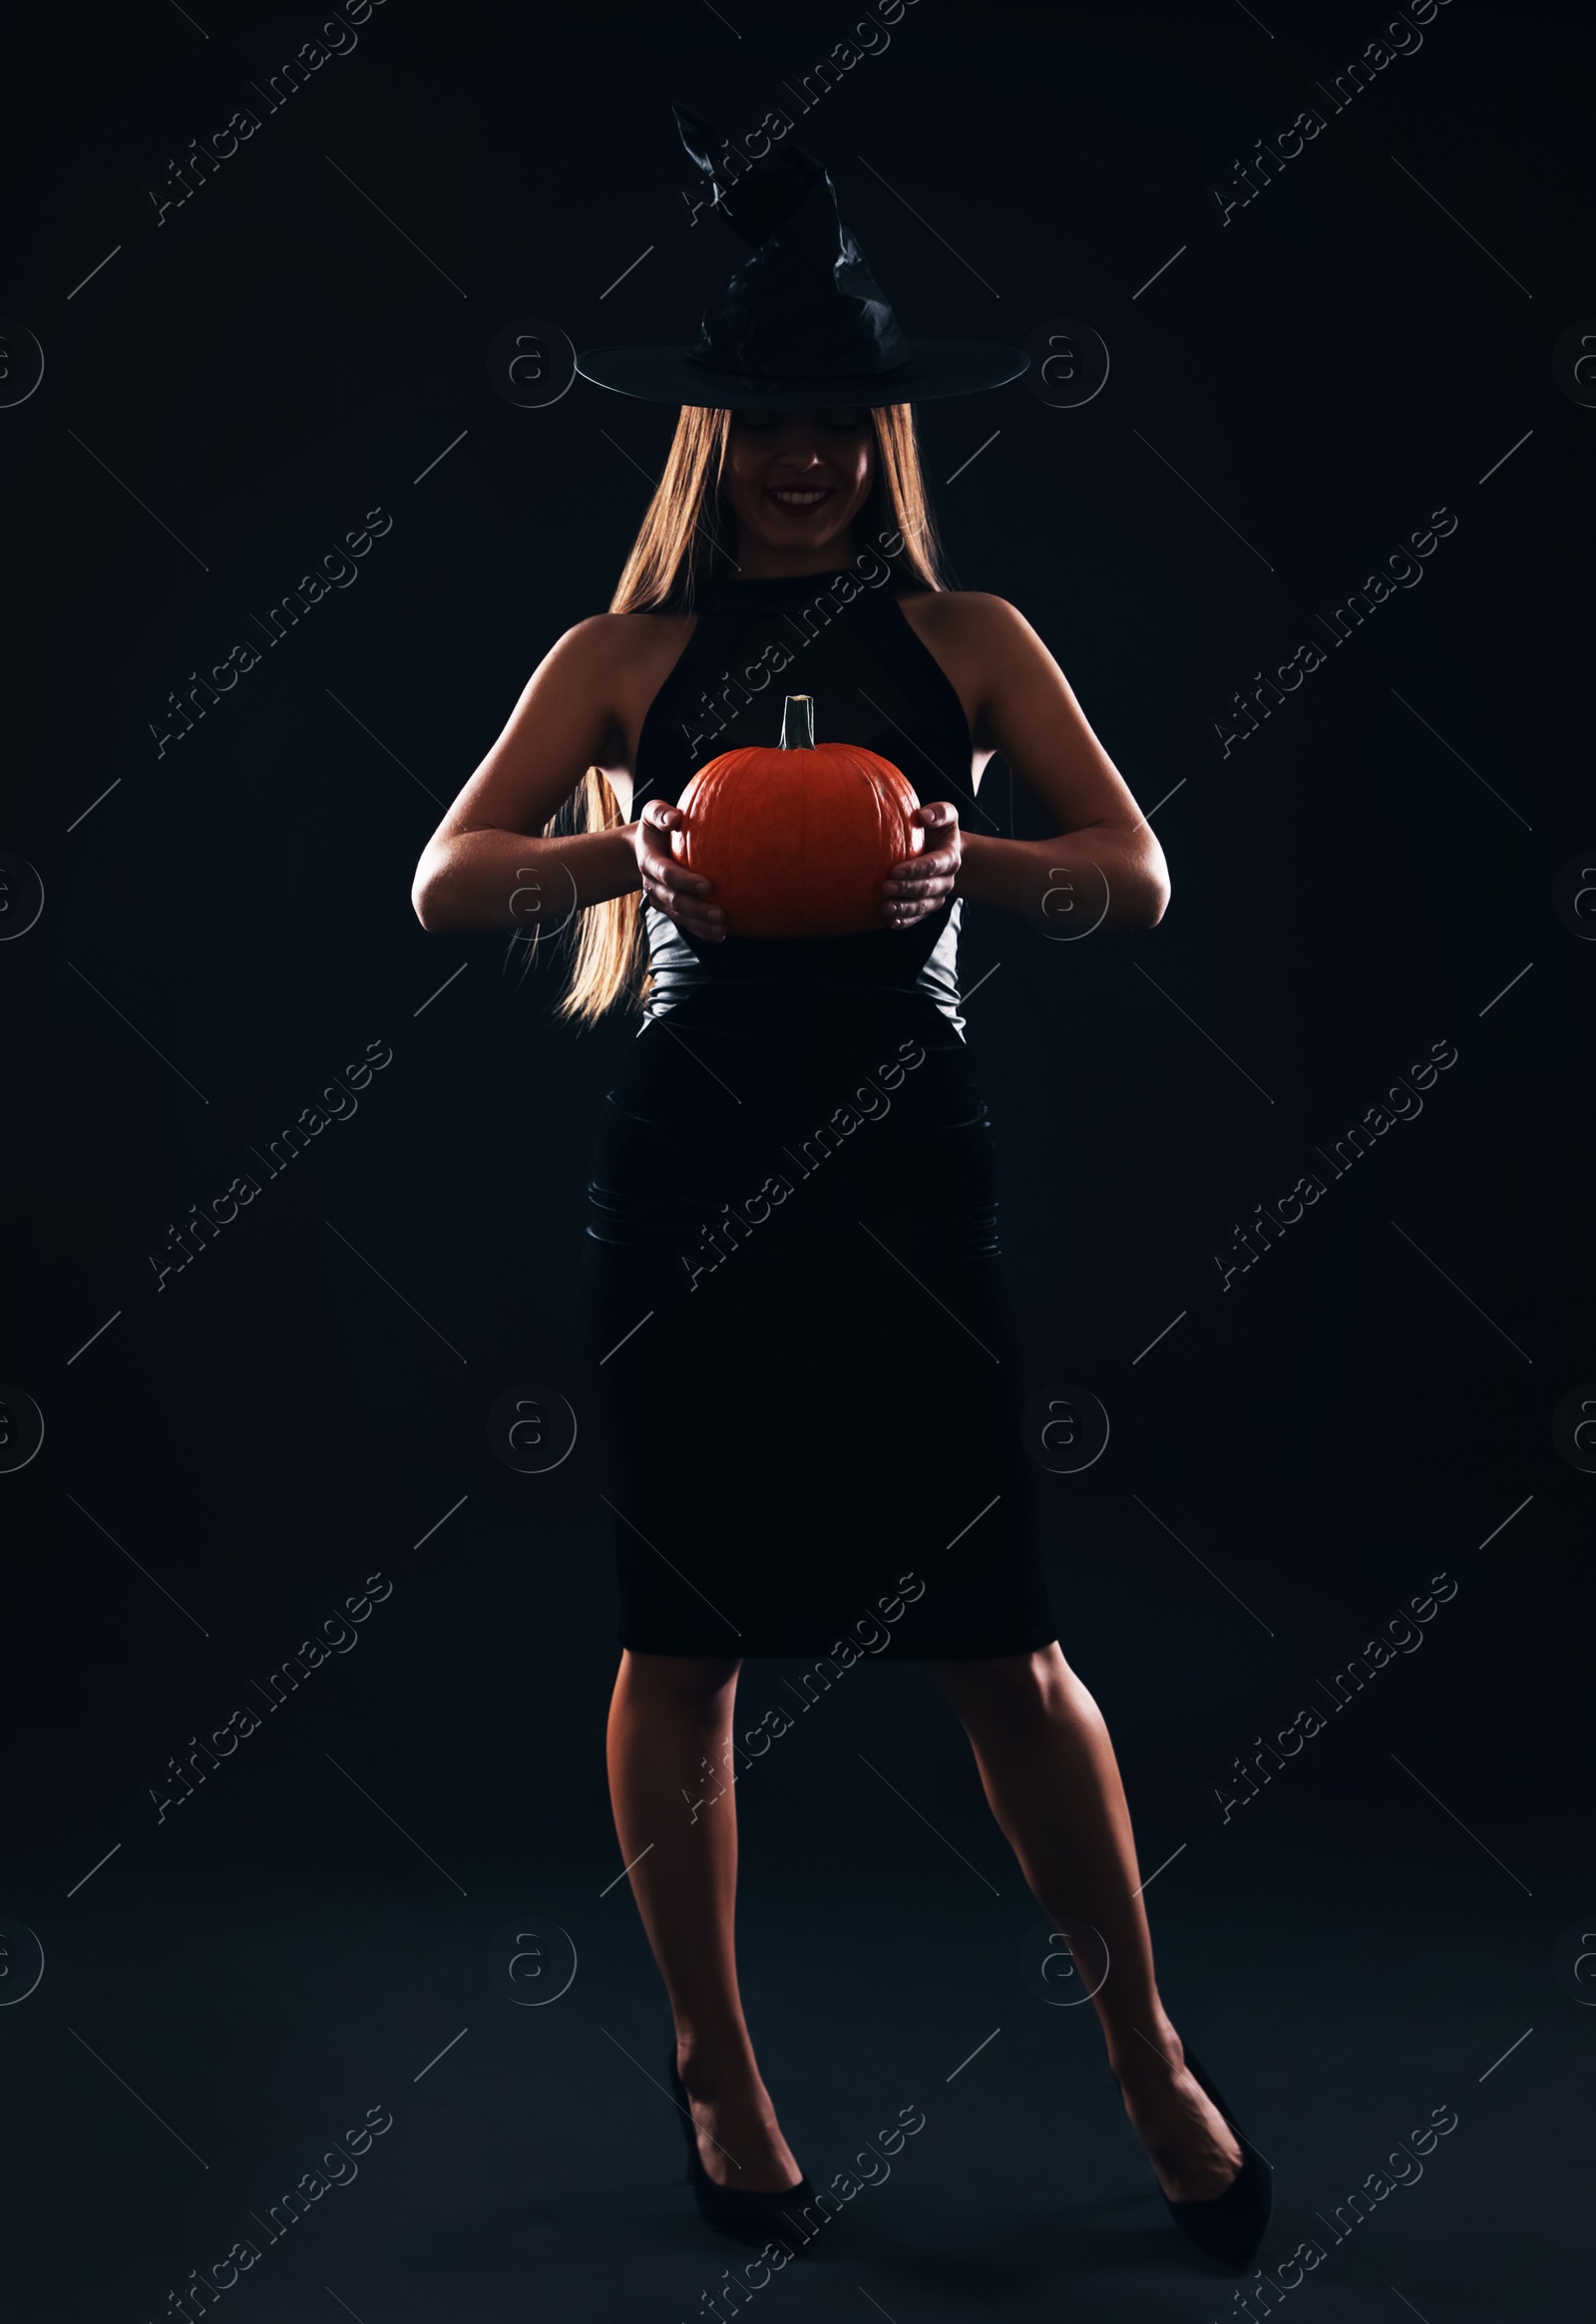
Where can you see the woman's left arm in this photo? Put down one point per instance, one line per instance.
(1103, 868)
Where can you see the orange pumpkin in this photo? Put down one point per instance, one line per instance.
(797, 841)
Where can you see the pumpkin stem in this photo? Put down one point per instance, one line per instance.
(798, 723)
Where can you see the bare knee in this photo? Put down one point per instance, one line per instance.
(1013, 1695)
(689, 1681)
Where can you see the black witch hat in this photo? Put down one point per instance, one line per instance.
(803, 323)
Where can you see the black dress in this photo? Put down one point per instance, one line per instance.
(798, 1339)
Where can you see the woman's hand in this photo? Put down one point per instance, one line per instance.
(923, 884)
(683, 896)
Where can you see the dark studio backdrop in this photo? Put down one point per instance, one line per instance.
(1298, 493)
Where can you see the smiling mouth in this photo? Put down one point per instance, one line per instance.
(799, 498)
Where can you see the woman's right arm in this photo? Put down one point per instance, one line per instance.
(488, 865)
(564, 723)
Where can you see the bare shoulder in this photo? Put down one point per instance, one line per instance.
(621, 640)
(616, 660)
(966, 617)
(985, 644)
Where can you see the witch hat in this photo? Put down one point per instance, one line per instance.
(803, 323)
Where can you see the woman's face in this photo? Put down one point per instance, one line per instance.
(796, 481)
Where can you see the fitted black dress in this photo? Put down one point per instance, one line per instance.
(798, 1339)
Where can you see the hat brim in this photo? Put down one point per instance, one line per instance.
(935, 368)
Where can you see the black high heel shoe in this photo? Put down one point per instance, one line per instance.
(1228, 2226)
(749, 2214)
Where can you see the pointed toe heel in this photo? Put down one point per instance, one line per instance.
(747, 2214)
(1229, 2228)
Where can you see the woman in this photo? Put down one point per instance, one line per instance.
(782, 1096)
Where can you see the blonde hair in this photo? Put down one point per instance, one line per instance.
(687, 537)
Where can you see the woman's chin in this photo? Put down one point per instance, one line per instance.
(791, 537)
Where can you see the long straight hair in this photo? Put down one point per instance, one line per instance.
(687, 538)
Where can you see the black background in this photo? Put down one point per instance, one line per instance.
(1368, 342)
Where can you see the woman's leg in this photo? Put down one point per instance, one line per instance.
(1052, 1780)
(670, 1754)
